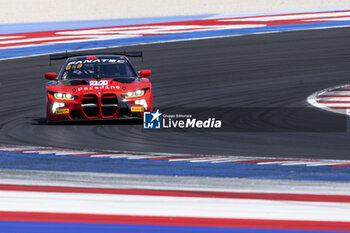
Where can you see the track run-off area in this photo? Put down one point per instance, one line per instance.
(282, 167)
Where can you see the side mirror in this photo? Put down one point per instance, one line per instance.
(144, 73)
(51, 76)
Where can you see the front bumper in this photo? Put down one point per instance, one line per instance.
(95, 107)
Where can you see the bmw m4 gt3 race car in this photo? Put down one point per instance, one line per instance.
(97, 87)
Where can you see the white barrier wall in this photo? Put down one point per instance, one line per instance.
(17, 11)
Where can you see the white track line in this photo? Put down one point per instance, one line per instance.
(172, 206)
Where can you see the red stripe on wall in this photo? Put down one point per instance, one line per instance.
(332, 102)
(183, 193)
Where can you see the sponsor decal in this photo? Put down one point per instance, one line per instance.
(78, 64)
(137, 109)
(98, 83)
(62, 111)
(68, 67)
(91, 88)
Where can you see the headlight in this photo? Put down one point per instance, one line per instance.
(133, 94)
(57, 105)
(63, 96)
(142, 102)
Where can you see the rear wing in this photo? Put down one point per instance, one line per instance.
(61, 56)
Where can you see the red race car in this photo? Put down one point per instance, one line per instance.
(97, 87)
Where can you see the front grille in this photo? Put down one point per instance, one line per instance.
(75, 114)
(109, 104)
(90, 105)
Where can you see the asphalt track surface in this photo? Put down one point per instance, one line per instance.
(267, 70)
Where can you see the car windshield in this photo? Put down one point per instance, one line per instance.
(98, 68)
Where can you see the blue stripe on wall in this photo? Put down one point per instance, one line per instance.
(45, 227)
(35, 161)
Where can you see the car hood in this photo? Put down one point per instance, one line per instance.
(96, 85)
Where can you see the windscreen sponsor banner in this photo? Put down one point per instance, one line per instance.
(28, 43)
(97, 60)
